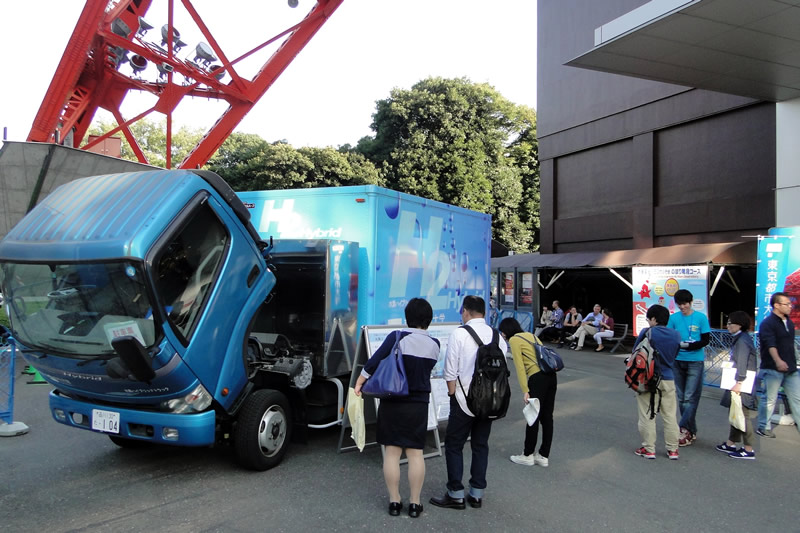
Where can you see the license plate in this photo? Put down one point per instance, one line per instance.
(106, 421)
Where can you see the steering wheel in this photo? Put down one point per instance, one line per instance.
(69, 292)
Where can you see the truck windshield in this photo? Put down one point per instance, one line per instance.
(77, 309)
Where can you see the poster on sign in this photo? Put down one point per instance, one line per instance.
(778, 270)
(658, 284)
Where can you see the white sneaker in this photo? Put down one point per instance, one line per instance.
(539, 460)
(527, 460)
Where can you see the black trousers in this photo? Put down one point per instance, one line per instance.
(542, 386)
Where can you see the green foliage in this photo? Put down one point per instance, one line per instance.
(444, 139)
(249, 163)
(465, 144)
(152, 139)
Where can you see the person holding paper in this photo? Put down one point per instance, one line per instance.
(744, 357)
(403, 422)
(534, 384)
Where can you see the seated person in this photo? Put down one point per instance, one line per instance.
(589, 326)
(553, 332)
(571, 323)
(606, 329)
(545, 321)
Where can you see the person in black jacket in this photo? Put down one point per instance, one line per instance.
(778, 363)
(403, 422)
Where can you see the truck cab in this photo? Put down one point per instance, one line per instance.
(134, 295)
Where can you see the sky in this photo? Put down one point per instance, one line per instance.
(327, 95)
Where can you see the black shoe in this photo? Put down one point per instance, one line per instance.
(449, 503)
(414, 509)
(395, 508)
(475, 503)
(765, 433)
(562, 344)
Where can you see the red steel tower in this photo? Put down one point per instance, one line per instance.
(111, 34)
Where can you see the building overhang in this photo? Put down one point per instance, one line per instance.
(745, 47)
(719, 254)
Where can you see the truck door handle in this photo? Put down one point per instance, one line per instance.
(251, 277)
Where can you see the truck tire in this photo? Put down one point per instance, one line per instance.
(263, 430)
(131, 444)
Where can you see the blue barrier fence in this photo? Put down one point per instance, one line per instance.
(525, 318)
(8, 354)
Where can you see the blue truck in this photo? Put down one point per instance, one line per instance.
(165, 308)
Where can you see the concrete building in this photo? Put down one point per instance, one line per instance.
(664, 123)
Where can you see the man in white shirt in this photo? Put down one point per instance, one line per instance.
(459, 365)
(590, 326)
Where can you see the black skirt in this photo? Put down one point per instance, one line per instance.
(402, 424)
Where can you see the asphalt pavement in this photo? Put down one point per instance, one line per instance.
(58, 479)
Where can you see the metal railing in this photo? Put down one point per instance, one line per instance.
(718, 351)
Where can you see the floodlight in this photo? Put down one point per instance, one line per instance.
(163, 70)
(138, 64)
(119, 27)
(215, 72)
(176, 35)
(143, 27)
(204, 55)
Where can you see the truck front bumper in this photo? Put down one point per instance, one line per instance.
(164, 428)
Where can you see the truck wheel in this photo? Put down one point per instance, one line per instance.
(263, 430)
(129, 443)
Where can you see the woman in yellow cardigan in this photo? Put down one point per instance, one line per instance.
(534, 384)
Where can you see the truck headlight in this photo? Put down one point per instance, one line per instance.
(196, 401)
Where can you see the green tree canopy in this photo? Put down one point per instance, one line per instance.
(152, 138)
(248, 163)
(465, 144)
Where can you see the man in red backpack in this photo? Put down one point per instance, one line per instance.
(666, 343)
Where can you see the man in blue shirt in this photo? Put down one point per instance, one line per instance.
(689, 364)
(666, 342)
(778, 363)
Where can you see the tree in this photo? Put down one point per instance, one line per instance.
(152, 138)
(248, 162)
(462, 143)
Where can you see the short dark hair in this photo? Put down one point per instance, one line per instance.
(660, 313)
(683, 296)
(607, 311)
(419, 313)
(774, 298)
(509, 327)
(474, 304)
(740, 318)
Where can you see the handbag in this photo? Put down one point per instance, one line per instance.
(547, 358)
(389, 379)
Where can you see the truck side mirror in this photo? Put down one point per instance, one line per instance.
(132, 353)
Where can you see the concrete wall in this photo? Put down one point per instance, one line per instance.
(788, 163)
(629, 163)
(32, 170)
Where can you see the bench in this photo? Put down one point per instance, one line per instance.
(620, 333)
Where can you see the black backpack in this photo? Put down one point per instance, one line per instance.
(489, 391)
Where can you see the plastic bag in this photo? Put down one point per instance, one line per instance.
(355, 412)
(736, 414)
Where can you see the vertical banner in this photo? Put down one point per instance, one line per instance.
(777, 271)
(658, 284)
